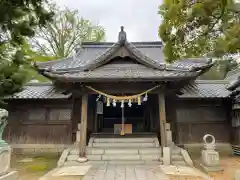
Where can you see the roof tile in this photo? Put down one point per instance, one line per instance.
(39, 91)
(207, 89)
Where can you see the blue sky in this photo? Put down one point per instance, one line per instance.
(139, 17)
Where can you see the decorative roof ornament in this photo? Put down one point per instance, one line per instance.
(122, 36)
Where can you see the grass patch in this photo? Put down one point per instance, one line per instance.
(40, 164)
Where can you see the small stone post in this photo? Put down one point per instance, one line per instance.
(166, 156)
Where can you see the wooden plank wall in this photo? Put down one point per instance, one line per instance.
(22, 129)
(197, 117)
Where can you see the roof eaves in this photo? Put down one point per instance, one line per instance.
(187, 75)
(211, 82)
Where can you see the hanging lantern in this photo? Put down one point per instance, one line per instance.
(130, 103)
(114, 103)
(122, 104)
(99, 107)
(145, 98)
(139, 100)
(108, 102)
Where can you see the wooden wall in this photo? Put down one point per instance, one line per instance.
(39, 121)
(236, 127)
(197, 117)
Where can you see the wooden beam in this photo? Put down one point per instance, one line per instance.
(83, 128)
(162, 117)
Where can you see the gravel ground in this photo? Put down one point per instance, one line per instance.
(229, 164)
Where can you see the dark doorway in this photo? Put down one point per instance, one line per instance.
(136, 116)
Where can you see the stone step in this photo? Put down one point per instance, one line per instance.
(128, 157)
(154, 150)
(120, 162)
(121, 151)
(113, 150)
(176, 151)
(121, 145)
(151, 157)
(72, 157)
(74, 163)
(93, 157)
(177, 158)
(179, 163)
(124, 140)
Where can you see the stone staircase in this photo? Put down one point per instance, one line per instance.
(177, 158)
(120, 150)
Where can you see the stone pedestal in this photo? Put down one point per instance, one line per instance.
(5, 157)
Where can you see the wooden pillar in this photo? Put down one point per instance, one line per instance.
(83, 127)
(162, 117)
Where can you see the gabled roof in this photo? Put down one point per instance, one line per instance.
(90, 51)
(92, 63)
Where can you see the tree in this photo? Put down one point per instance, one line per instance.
(220, 69)
(196, 28)
(18, 20)
(67, 31)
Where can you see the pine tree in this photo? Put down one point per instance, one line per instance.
(18, 20)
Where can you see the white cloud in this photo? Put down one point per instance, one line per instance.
(139, 17)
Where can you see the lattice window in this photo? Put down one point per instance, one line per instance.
(38, 114)
(60, 114)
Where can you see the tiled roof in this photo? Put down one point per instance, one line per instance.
(92, 60)
(90, 51)
(39, 91)
(190, 63)
(202, 89)
(207, 89)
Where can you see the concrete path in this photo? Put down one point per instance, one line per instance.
(125, 172)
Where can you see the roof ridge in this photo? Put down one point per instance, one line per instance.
(39, 84)
(211, 81)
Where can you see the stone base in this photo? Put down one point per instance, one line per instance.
(82, 159)
(13, 175)
(5, 157)
(212, 169)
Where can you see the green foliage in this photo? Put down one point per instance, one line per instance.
(18, 20)
(67, 31)
(195, 28)
(220, 69)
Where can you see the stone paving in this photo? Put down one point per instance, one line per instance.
(125, 172)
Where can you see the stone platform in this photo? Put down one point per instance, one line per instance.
(13, 175)
(125, 172)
